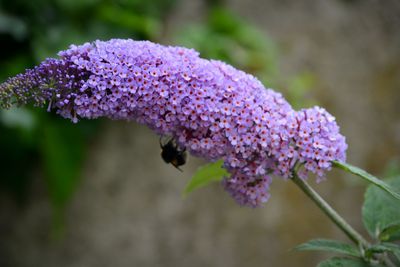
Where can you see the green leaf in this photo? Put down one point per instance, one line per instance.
(369, 177)
(381, 212)
(330, 246)
(345, 262)
(394, 248)
(384, 247)
(18, 118)
(62, 150)
(125, 18)
(390, 233)
(13, 25)
(204, 175)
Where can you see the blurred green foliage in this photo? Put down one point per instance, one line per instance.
(35, 143)
(17, 143)
(227, 37)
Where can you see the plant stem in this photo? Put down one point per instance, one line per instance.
(330, 212)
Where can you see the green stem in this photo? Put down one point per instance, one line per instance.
(330, 212)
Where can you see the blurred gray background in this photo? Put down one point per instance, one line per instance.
(128, 208)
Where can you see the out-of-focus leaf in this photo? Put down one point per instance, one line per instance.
(228, 38)
(380, 210)
(390, 233)
(394, 191)
(345, 262)
(77, 5)
(330, 246)
(223, 21)
(212, 172)
(155, 8)
(18, 155)
(62, 149)
(18, 117)
(13, 25)
(13, 66)
(54, 38)
(298, 87)
(139, 23)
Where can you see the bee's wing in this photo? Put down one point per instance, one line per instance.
(175, 164)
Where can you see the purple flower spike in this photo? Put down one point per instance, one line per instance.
(247, 191)
(319, 141)
(210, 108)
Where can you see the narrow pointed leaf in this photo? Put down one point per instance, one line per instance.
(330, 246)
(369, 177)
(212, 172)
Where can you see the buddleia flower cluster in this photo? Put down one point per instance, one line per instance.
(210, 108)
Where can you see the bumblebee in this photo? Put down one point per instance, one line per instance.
(171, 153)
